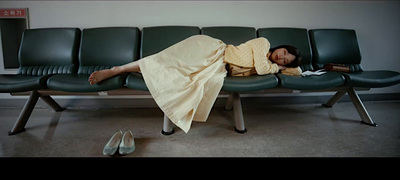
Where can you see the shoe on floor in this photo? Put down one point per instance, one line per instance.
(112, 145)
(127, 144)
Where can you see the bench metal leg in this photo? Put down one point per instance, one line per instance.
(53, 104)
(168, 126)
(19, 125)
(229, 102)
(366, 119)
(237, 108)
(335, 99)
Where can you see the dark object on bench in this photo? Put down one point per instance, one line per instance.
(336, 67)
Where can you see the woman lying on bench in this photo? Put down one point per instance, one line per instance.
(239, 62)
(185, 78)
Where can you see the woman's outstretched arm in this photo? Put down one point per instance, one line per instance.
(101, 75)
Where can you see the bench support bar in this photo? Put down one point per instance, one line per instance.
(237, 108)
(229, 103)
(233, 102)
(335, 99)
(23, 117)
(362, 111)
(366, 119)
(26, 112)
(53, 104)
(168, 126)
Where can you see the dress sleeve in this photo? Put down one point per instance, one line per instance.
(292, 71)
(262, 64)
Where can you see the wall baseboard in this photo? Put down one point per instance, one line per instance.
(76, 102)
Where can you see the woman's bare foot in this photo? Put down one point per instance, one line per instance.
(101, 75)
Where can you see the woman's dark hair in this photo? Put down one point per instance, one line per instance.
(292, 50)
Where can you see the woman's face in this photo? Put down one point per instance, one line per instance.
(282, 57)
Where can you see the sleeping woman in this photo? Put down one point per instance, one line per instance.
(185, 78)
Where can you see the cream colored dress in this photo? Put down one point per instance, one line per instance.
(251, 58)
(186, 78)
(251, 54)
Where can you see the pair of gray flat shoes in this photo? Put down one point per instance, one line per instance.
(121, 141)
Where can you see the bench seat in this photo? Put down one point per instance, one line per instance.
(340, 46)
(373, 79)
(136, 81)
(101, 48)
(325, 81)
(79, 83)
(43, 52)
(298, 37)
(249, 83)
(21, 83)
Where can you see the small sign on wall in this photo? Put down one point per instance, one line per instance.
(13, 13)
(13, 22)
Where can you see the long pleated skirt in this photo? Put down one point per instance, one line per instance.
(186, 78)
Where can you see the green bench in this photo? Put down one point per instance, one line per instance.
(42, 53)
(58, 61)
(100, 48)
(341, 46)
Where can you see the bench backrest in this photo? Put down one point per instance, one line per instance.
(106, 47)
(234, 35)
(47, 51)
(296, 37)
(157, 38)
(338, 46)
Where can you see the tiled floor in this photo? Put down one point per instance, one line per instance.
(303, 130)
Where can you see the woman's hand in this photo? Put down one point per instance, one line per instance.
(281, 67)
